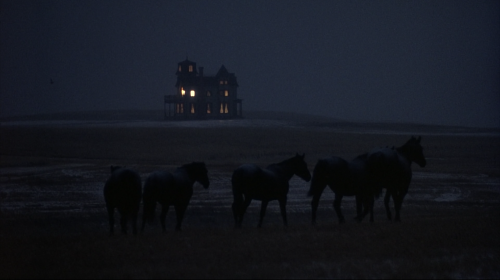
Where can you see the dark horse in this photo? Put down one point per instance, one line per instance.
(172, 189)
(344, 179)
(123, 191)
(251, 182)
(390, 168)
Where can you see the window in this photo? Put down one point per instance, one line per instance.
(221, 82)
(180, 68)
(190, 68)
(209, 93)
(192, 108)
(209, 108)
(225, 82)
(226, 93)
(183, 92)
(223, 108)
(192, 93)
(180, 108)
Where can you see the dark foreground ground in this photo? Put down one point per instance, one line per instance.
(53, 222)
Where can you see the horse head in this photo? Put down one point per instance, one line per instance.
(198, 172)
(415, 151)
(300, 167)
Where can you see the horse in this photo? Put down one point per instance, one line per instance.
(344, 179)
(123, 191)
(172, 189)
(390, 168)
(272, 183)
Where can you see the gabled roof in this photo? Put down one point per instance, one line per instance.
(222, 71)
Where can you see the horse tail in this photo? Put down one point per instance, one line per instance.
(149, 200)
(320, 173)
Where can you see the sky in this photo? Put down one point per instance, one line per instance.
(430, 62)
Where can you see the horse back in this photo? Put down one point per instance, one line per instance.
(168, 188)
(388, 166)
(123, 189)
(257, 182)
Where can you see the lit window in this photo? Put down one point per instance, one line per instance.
(192, 108)
(180, 68)
(225, 82)
(180, 108)
(183, 92)
(191, 93)
(223, 108)
(226, 93)
(209, 93)
(221, 82)
(209, 108)
(190, 68)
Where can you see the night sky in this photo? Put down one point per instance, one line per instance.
(432, 62)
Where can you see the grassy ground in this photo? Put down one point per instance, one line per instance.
(53, 222)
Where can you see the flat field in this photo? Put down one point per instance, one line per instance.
(53, 222)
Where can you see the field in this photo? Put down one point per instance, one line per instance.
(53, 222)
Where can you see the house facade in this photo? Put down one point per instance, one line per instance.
(203, 97)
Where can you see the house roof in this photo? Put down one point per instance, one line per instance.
(222, 71)
(194, 79)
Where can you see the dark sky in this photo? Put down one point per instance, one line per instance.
(409, 61)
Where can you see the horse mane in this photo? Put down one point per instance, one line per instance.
(406, 147)
(284, 162)
(362, 156)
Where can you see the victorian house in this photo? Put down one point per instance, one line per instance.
(203, 97)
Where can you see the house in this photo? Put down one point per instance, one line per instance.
(203, 97)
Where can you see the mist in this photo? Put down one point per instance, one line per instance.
(431, 62)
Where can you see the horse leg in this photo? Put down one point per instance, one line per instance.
(243, 209)
(371, 202)
(134, 223)
(359, 206)
(143, 222)
(397, 204)
(236, 210)
(336, 205)
(123, 221)
(236, 207)
(282, 203)
(368, 202)
(387, 199)
(263, 207)
(180, 209)
(314, 204)
(163, 216)
(111, 218)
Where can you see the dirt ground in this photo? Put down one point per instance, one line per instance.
(53, 222)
